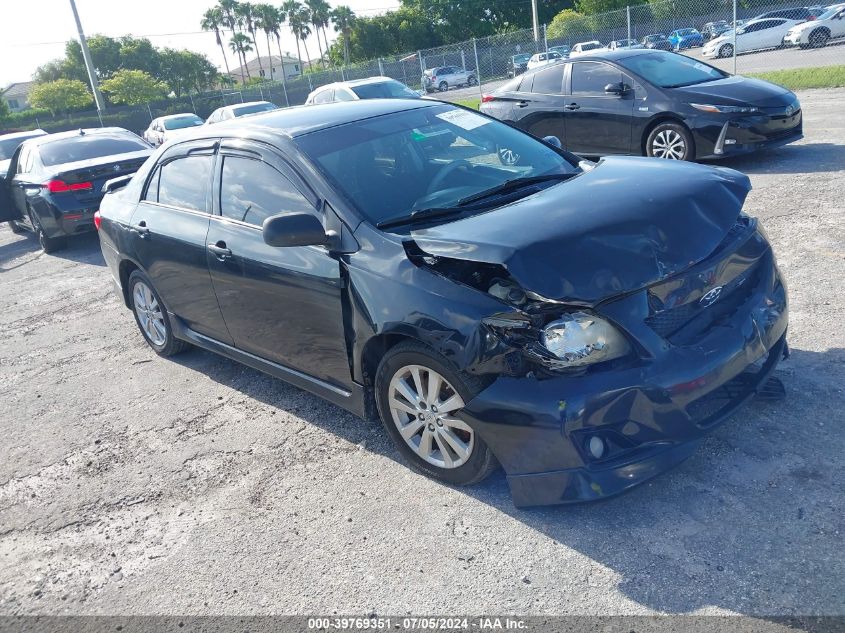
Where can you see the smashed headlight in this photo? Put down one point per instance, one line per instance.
(580, 339)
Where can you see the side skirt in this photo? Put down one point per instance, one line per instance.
(351, 400)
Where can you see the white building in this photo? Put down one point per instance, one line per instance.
(291, 66)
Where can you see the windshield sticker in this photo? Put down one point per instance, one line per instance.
(463, 119)
(701, 67)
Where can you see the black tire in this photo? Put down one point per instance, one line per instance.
(818, 38)
(443, 86)
(15, 228)
(471, 81)
(481, 461)
(669, 129)
(171, 344)
(48, 244)
(726, 50)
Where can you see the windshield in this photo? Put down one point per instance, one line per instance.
(590, 46)
(76, 148)
(8, 146)
(521, 59)
(831, 11)
(252, 109)
(182, 122)
(431, 157)
(384, 90)
(668, 70)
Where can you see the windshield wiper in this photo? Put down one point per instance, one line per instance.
(511, 185)
(420, 214)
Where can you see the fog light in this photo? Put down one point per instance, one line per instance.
(596, 447)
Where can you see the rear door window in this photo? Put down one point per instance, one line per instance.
(549, 81)
(182, 183)
(590, 78)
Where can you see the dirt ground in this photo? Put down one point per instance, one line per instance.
(131, 484)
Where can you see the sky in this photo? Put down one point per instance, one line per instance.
(33, 32)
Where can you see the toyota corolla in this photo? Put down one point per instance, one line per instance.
(581, 325)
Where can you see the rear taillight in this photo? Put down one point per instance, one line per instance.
(487, 98)
(60, 186)
(97, 220)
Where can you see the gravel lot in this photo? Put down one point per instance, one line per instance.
(131, 484)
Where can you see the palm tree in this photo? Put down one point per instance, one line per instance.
(291, 10)
(246, 13)
(212, 20)
(343, 18)
(240, 44)
(300, 22)
(267, 20)
(324, 13)
(316, 10)
(228, 8)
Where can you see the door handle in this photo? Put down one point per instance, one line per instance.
(140, 228)
(571, 106)
(522, 104)
(220, 251)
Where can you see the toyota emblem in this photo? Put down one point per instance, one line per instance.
(710, 296)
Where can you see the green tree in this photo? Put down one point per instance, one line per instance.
(318, 15)
(4, 108)
(185, 71)
(566, 24)
(133, 87)
(240, 44)
(60, 96)
(212, 20)
(246, 13)
(292, 11)
(139, 54)
(267, 20)
(344, 19)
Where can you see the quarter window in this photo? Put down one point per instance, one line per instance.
(549, 81)
(182, 183)
(324, 97)
(251, 191)
(590, 78)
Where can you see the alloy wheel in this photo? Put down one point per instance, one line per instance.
(423, 406)
(818, 38)
(149, 314)
(668, 144)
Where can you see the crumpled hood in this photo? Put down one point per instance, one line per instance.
(626, 224)
(737, 90)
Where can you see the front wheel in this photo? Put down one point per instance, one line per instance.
(420, 395)
(726, 51)
(818, 38)
(151, 316)
(443, 86)
(471, 81)
(670, 140)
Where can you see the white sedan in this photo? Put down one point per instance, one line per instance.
(829, 25)
(753, 36)
(166, 127)
(541, 59)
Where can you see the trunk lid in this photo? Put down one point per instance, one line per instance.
(99, 170)
(627, 224)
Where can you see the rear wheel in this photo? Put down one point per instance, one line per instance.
(670, 140)
(15, 228)
(727, 50)
(471, 81)
(48, 244)
(819, 38)
(443, 86)
(151, 316)
(420, 395)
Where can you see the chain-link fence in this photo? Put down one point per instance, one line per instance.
(785, 37)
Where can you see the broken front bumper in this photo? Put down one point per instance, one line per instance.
(650, 415)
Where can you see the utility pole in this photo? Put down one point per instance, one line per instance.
(89, 65)
(536, 19)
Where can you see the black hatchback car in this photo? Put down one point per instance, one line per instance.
(652, 103)
(582, 325)
(55, 182)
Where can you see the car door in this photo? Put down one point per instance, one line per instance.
(597, 122)
(169, 236)
(281, 304)
(541, 109)
(772, 36)
(23, 185)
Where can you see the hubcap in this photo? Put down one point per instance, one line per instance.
(149, 314)
(668, 144)
(423, 407)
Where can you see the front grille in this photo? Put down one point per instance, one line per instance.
(672, 324)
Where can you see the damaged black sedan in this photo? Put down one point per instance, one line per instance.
(582, 325)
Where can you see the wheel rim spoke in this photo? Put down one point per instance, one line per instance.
(424, 448)
(456, 423)
(406, 392)
(444, 451)
(401, 406)
(411, 429)
(434, 384)
(450, 404)
(454, 442)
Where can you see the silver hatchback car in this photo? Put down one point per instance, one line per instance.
(444, 77)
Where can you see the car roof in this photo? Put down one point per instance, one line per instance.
(177, 116)
(59, 136)
(300, 120)
(354, 82)
(26, 134)
(248, 103)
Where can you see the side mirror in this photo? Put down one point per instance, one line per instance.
(617, 89)
(553, 140)
(294, 229)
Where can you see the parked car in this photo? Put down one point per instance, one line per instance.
(714, 29)
(683, 39)
(518, 64)
(817, 11)
(165, 128)
(11, 142)
(226, 113)
(444, 77)
(796, 14)
(657, 41)
(56, 181)
(620, 44)
(817, 33)
(655, 103)
(583, 48)
(755, 35)
(541, 59)
(582, 325)
(563, 49)
(369, 88)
